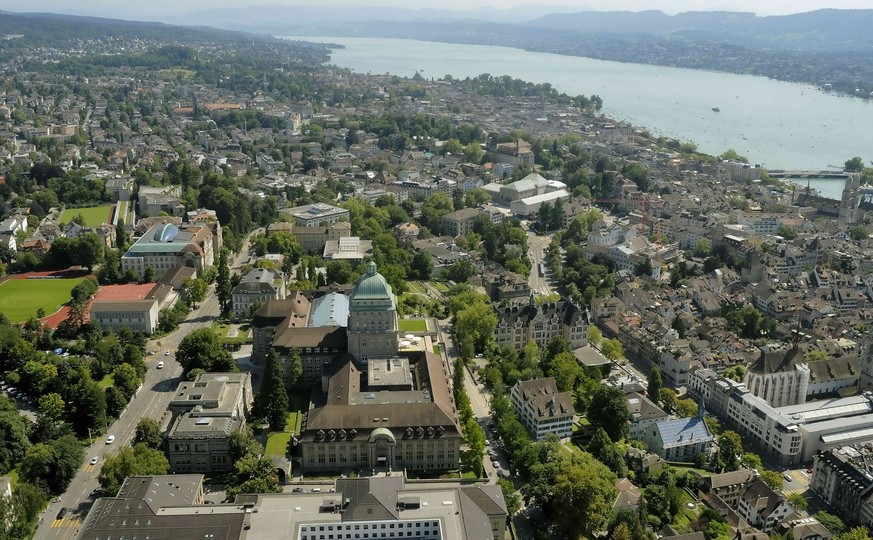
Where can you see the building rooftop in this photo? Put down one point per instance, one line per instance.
(683, 430)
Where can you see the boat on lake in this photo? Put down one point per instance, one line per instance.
(716, 109)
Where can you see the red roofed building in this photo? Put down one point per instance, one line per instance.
(132, 306)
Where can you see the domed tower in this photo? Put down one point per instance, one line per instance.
(372, 325)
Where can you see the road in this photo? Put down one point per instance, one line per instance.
(536, 248)
(150, 401)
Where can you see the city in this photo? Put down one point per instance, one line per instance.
(246, 294)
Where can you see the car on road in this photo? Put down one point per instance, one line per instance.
(167, 352)
(94, 460)
(495, 463)
(297, 490)
(316, 490)
(110, 439)
(61, 513)
(788, 477)
(161, 364)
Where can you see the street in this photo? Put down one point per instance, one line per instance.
(150, 401)
(537, 247)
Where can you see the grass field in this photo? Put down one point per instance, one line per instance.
(277, 443)
(172, 72)
(21, 298)
(94, 215)
(413, 325)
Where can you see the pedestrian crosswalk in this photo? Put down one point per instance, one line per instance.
(801, 491)
(66, 522)
(90, 468)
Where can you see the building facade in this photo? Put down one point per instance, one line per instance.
(256, 288)
(372, 321)
(317, 215)
(165, 246)
(542, 409)
(206, 412)
(516, 325)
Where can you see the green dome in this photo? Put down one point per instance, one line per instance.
(371, 286)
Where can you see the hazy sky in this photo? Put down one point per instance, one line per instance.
(155, 9)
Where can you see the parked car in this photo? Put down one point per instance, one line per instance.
(316, 490)
(167, 352)
(495, 463)
(161, 364)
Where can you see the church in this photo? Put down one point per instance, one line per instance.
(379, 409)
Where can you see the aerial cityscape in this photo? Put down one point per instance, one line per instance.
(317, 272)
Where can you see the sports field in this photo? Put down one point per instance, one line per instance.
(94, 215)
(21, 298)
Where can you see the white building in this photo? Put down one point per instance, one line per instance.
(317, 214)
(542, 409)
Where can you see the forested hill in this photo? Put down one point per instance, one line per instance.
(821, 30)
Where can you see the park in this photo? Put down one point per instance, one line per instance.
(94, 216)
(21, 299)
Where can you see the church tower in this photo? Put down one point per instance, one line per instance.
(372, 326)
(851, 200)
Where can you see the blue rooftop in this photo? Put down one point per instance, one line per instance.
(330, 310)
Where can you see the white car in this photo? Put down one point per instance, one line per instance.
(167, 352)
(788, 477)
(160, 365)
(94, 460)
(110, 439)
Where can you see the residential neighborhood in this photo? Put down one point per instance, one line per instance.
(237, 282)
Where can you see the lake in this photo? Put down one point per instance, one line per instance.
(778, 124)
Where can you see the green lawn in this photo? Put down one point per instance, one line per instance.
(277, 443)
(94, 215)
(106, 382)
(417, 287)
(440, 286)
(436, 349)
(21, 298)
(413, 325)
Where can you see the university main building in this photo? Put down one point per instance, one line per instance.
(378, 408)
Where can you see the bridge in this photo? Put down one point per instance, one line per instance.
(778, 173)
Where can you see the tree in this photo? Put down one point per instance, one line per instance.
(751, 460)
(50, 416)
(798, 502)
(339, 272)
(583, 497)
(272, 401)
(857, 533)
(52, 466)
(126, 379)
(686, 408)
(202, 349)
(421, 265)
(253, 474)
(19, 513)
(148, 432)
(830, 521)
(856, 164)
(606, 452)
(655, 384)
(786, 232)
(612, 349)
(621, 532)
(773, 479)
(594, 336)
(138, 460)
(608, 410)
(195, 290)
(293, 369)
(223, 287)
(858, 232)
(729, 447)
(510, 496)
(460, 271)
(474, 436)
(474, 328)
(242, 442)
(14, 441)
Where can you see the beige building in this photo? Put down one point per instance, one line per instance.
(256, 288)
(165, 246)
(317, 214)
(372, 320)
(398, 415)
(542, 409)
(205, 413)
(313, 239)
(459, 222)
(172, 506)
(516, 325)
